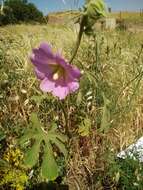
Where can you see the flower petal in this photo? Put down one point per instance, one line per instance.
(61, 92)
(47, 85)
(40, 54)
(47, 65)
(46, 48)
(39, 63)
(40, 75)
(74, 71)
(73, 86)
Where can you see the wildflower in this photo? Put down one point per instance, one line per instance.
(56, 74)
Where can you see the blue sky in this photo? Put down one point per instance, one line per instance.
(57, 5)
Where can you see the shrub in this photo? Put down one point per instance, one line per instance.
(16, 11)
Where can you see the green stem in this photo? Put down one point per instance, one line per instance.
(81, 30)
(66, 119)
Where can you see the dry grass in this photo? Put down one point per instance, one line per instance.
(111, 62)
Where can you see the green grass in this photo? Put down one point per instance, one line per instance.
(113, 72)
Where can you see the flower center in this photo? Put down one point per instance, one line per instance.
(58, 73)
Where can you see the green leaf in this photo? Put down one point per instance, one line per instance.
(84, 128)
(32, 155)
(49, 168)
(25, 137)
(53, 128)
(34, 120)
(3, 164)
(95, 9)
(105, 115)
(2, 135)
(79, 98)
(61, 147)
(61, 137)
(35, 132)
(39, 99)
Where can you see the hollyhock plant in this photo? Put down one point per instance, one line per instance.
(56, 74)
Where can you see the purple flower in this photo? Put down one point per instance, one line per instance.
(57, 76)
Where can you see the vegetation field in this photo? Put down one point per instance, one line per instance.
(104, 116)
(130, 19)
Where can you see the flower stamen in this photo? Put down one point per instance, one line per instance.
(59, 73)
(55, 76)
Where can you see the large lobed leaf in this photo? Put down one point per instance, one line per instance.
(35, 132)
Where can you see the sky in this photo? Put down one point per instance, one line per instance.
(57, 5)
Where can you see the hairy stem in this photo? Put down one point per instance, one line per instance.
(79, 37)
